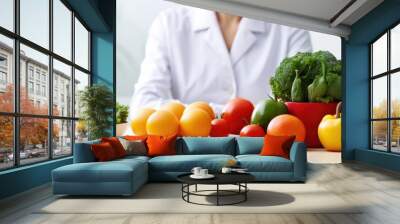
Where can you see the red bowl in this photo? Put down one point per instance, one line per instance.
(311, 115)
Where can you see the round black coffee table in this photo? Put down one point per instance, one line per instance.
(238, 179)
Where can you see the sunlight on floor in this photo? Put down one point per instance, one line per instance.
(321, 156)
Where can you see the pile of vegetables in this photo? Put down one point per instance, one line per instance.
(308, 77)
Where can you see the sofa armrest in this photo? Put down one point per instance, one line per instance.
(83, 152)
(298, 155)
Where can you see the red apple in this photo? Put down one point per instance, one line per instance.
(252, 130)
(219, 128)
(237, 113)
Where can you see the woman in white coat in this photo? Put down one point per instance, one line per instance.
(198, 55)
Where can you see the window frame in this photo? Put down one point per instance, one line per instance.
(388, 74)
(16, 115)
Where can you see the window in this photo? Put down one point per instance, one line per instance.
(30, 72)
(46, 75)
(44, 91)
(6, 73)
(3, 61)
(385, 96)
(30, 88)
(7, 14)
(62, 32)
(37, 89)
(3, 78)
(81, 45)
(62, 74)
(34, 21)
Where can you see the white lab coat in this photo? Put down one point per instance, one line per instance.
(187, 59)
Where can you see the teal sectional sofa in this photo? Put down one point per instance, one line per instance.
(125, 176)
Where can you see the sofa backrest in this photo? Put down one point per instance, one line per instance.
(206, 145)
(83, 152)
(249, 145)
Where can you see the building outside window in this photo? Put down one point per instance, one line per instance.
(385, 95)
(30, 87)
(57, 128)
(3, 78)
(30, 72)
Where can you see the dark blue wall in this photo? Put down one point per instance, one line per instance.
(356, 125)
(99, 16)
(24, 178)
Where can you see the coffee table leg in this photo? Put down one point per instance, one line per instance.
(245, 193)
(217, 194)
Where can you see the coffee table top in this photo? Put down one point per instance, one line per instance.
(220, 178)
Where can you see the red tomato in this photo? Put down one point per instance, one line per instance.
(252, 130)
(238, 114)
(219, 128)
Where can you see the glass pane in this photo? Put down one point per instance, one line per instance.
(81, 81)
(62, 138)
(35, 21)
(379, 135)
(34, 92)
(395, 95)
(62, 29)
(33, 140)
(395, 138)
(81, 131)
(6, 74)
(81, 45)
(7, 14)
(62, 89)
(6, 142)
(379, 55)
(395, 47)
(379, 97)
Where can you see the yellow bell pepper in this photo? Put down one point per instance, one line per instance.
(330, 131)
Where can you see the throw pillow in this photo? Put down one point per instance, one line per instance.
(134, 147)
(116, 145)
(103, 152)
(277, 145)
(160, 146)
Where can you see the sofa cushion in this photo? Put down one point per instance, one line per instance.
(206, 145)
(112, 171)
(185, 163)
(257, 163)
(249, 145)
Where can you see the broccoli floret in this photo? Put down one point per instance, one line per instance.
(308, 65)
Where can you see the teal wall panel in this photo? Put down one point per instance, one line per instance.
(356, 126)
(24, 178)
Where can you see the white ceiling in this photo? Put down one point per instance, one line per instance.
(326, 16)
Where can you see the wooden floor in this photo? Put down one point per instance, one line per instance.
(378, 189)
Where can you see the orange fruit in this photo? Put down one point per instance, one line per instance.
(195, 122)
(174, 107)
(139, 119)
(287, 125)
(162, 123)
(204, 106)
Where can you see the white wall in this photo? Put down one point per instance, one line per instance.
(133, 21)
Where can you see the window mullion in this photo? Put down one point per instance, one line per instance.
(389, 104)
(73, 82)
(16, 84)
